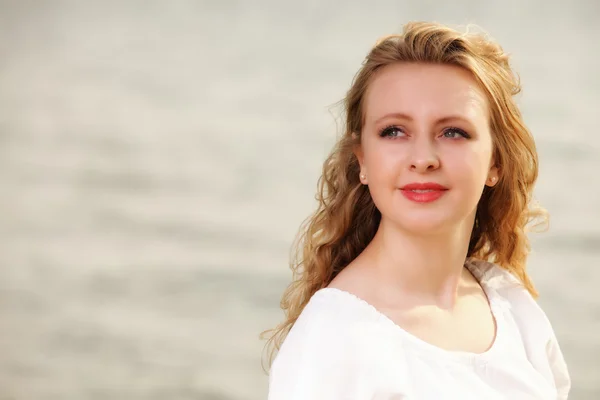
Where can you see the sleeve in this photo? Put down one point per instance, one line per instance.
(317, 361)
(536, 330)
(560, 372)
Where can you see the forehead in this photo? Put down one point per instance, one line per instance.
(423, 90)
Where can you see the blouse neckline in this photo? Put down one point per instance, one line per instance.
(498, 306)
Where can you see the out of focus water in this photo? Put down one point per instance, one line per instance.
(156, 159)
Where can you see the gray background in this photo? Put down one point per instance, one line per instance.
(157, 158)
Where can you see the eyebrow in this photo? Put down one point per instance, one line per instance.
(409, 118)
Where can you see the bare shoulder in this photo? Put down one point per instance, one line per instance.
(356, 279)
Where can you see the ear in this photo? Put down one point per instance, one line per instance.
(358, 150)
(493, 176)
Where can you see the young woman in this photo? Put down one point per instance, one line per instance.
(411, 280)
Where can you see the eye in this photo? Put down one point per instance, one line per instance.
(391, 132)
(455, 133)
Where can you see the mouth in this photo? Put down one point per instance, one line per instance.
(423, 192)
(424, 187)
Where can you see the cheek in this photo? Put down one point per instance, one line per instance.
(382, 161)
(471, 167)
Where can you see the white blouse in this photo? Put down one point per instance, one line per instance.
(342, 348)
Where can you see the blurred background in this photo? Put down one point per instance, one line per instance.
(158, 157)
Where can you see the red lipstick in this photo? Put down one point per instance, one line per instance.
(423, 192)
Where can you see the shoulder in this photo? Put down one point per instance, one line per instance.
(528, 317)
(329, 352)
(536, 331)
(508, 289)
(317, 329)
(493, 275)
(503, 283)
(328, 326)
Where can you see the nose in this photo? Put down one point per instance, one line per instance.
(424, 157)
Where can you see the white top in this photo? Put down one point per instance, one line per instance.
(342, 348)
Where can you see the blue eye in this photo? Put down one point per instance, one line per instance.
(455, 133)
(391, 131)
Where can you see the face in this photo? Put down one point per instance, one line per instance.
(426, 146)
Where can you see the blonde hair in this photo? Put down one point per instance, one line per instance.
(346, 218)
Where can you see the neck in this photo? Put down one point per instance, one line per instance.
(429, 268)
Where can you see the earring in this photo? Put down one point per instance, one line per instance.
(363, 177)
(493, 179)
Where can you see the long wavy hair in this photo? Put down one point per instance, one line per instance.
(346, 218)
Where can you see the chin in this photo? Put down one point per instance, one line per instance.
(427, 223)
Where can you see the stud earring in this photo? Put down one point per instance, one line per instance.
(493, 179)
(363, 176)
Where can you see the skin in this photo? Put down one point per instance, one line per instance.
(435, 125)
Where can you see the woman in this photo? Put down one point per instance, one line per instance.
(411, 281)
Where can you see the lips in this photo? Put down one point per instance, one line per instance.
(426, 186)
(423, 192)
